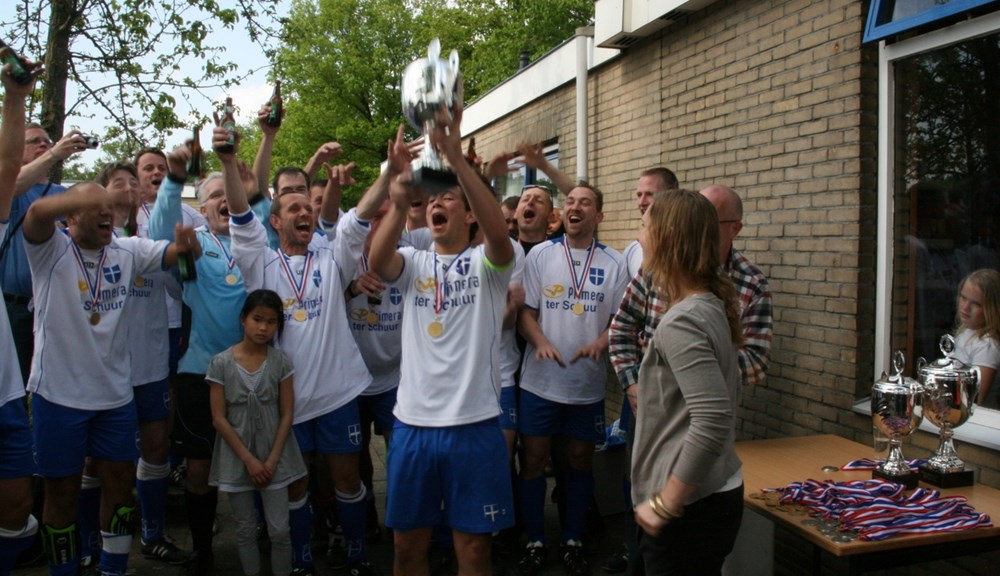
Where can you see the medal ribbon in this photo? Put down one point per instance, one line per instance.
(95, 286)
(230, 261)
(300, 286)
(878, 510)
(581, 281)
(439, 291)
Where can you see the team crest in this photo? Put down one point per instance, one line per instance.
(553, 290)
(112, 274)
(463, 265)
(597, 276)
(425, 285)
(316, 278)
(354, 434)
(395, 296)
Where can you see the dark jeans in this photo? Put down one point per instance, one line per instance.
(698, 543)
(22, 326)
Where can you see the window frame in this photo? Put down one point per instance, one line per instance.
(876, 31)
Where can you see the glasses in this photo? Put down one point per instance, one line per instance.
(38, 140)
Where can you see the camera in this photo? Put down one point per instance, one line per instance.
(90, 141)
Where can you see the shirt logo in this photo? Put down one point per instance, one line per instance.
(395, 296)
(316, 278)
(288, 303)
(425, 285)
(491, 510)
(553, 290)
(596, 276)
(359, 314)
(112, 274)
(354, 434)
(463, 266)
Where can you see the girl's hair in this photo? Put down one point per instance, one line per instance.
(683, 243)
(267, 299)
(987, 280)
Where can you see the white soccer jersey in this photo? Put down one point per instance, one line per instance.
(510, 354)
(191, 219)
(452, 316)
(633, 258)
(329, 371)
(81, 326)
(11, 384)
(571, 313)
(376, 325)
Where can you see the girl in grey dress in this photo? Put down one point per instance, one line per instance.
(252, 403)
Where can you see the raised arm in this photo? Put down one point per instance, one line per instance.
(32, 172)
(535, 158)
(262, 162)
(326, 152)
(11, 137)
(236, 196)
(40, 221)
(336, 178)
(167, 210)
(383, 258)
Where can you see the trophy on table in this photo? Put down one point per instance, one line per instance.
(950, 389)
(896, 411)
(430, 84)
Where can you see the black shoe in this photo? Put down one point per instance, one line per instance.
(617, 562)
(573, 561)
(165, 551)
(178, 477)
(532, 561)
(200, 564)
(361, 568)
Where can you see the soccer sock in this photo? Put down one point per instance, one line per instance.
(351, 509)
(62, 549)
(579, 486)
(88, 517)
(300, 517)
(13, 542)
(532, 500)
(114, 553)
(201, 515)
(151, 484)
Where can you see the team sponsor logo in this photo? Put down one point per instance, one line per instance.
(395, 296)
(553, 290)
(288, 303)
(425, 285)
(112, 274)
(359, 314)
(317, 278)
(82, 286)
(596, 276)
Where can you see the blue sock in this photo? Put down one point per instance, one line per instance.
(62, 549)
(114, 553)
(532, 503)
(300, 519)
(13, 542)
(88, 517)
(151, 484)
(579, 491)
(351, 511)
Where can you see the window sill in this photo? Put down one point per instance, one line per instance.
(982, 428)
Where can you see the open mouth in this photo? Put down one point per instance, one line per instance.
(574, 218)
(528, 214)
(304, 227)
(224, 212)
(156, 182)
(438, 219)
(416, 204)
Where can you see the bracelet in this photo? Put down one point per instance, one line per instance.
(661, 510)
(656, 510)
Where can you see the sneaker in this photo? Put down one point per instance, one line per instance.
(200, 564)
(178, 477)
(532, 561)
(165, 551)
(361, 568)
(573, 561)
(89, 567)
(618, 561)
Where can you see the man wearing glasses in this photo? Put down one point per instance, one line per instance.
(40, 153)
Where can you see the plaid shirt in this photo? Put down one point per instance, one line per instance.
(642, 308)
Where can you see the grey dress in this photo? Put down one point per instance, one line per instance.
(254, 414)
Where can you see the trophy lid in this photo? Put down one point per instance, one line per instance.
(947, 366)
(897, 383)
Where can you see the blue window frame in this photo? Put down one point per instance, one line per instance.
(888, 17)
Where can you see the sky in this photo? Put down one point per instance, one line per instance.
(248, 97)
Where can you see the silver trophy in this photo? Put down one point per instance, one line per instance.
(430, 84)
(896, 411)
(950, 389)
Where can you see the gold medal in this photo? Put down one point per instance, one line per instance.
(231, 279)
(301, 315)
(435, 329)
(138, 281)
(577, 308)
(95, 318)
(372, 317)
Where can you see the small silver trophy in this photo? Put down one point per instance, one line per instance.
(896, 411)
(430, 84)
(950, 390)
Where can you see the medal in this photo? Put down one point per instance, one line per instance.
(95, 318)
(298, 287)
(577, 308)
(82, 286)
(579, 281)
(231, 279)
(301, 315)
(372, 317)
(435, 329)
(93, 287)
(138, 281)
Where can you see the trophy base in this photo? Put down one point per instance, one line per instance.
(909, 481)
(947, 479)
(434, 181)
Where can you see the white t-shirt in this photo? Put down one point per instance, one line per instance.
(510, 354)
(571, 317)
(329, 371)
(11, 384)
(974, 351)
(451, 364)
(633, 258)
(192, 219)
(79, 364)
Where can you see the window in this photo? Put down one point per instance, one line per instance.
(519, 176)
(889, 17)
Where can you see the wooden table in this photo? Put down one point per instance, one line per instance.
(779, 462)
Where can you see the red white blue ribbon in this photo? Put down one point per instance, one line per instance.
(94, 287)
(579, 281)
(299, 286)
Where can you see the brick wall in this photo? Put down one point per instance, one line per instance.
(778, 100)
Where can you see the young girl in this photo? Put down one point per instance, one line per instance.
(251, 397)
(977, 338)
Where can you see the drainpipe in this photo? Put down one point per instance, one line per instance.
(584, 36)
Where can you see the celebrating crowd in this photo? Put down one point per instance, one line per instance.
(263, 339)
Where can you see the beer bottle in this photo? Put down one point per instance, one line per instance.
(195, 166)
(18, 68)
(229, 123)
(471, 157)
(185, 265)
(274, 116)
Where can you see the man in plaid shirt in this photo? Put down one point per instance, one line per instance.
(642, 307)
